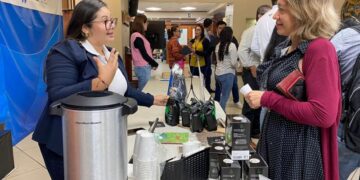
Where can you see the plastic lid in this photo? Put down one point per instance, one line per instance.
(93, 100)
(238, 118)
(228, 161)
(254, 160)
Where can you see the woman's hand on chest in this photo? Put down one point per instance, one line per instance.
(107, 71)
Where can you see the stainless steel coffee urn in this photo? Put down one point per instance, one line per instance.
(95, 134)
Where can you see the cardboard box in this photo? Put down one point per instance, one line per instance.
(255, 166)
(6, 154)
(238, 136)
(230, 170)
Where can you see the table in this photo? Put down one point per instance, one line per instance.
(142, 117)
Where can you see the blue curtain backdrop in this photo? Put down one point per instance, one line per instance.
(26, 35)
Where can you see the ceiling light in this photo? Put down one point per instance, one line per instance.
(140, 11)
(188, 8)
(153, 9)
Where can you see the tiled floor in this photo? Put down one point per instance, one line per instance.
(29, 164)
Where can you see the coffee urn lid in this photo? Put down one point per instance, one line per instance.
(93, 100)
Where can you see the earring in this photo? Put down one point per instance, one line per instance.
(86, 35)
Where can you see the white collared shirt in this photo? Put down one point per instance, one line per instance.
(118, 84)
(247, 57)
(262, 33)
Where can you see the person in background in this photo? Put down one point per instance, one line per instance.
(173, 47)
(209, 35)
(79, 63)
(141, 51)
(226, 57)
(275, 40)
(347, 45)
(263, 30)
(200, 49)
(299, 136)
(235, 88)
(250, 61)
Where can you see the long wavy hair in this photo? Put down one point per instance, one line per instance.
(226, 37)
(314, 18)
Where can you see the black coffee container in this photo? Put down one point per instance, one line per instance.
(254, 167)
(185, 116)
(172, 112)
(196, 123)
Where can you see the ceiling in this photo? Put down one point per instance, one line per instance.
(171, 9)
(175, 6)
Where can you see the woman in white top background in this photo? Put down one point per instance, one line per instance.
(226, 57)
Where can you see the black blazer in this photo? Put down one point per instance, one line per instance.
(70, 69)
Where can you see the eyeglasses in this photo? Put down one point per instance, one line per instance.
(109, 23)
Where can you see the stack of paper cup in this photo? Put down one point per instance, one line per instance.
(136, 149)
(145, 161)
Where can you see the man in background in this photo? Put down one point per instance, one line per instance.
(208, 24)
(249, 61)
(347, 45)
(263, 30)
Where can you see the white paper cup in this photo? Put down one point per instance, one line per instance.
(147, 170)
(245, 89)
(136, 149)
(190, 147)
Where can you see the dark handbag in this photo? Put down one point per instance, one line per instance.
(293, 86)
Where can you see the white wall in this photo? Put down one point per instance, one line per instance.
(246, 9)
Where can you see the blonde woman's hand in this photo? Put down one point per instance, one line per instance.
(253, 98)
(107, 71)
(160, 100)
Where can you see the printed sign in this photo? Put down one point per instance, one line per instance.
(46, 6)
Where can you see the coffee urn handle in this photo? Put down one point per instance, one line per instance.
(130, 107)
(55, 108)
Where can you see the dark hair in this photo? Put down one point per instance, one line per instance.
(138, 24)
(221, 22)
(261, 10)
(202, 35)
(349, 22)
(275, 40)
(226, 37)
(274, 2)
(172, 30)
(207, 22)
(83, 14)
(349, 9)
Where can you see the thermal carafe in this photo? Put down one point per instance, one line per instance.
(95, 134)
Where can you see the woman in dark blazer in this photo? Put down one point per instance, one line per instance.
(82, 62)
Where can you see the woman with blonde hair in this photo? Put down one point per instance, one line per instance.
(299, 137)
